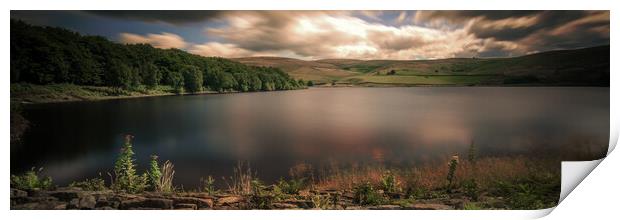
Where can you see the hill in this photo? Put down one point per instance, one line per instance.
(579, 67)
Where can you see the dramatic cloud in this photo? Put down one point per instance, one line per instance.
(163, 40)
(374, 34)
(168, 16)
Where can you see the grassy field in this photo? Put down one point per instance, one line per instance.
(423, 80)
(31, 93)
(581, 67)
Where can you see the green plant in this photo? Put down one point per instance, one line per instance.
(388, 182)
(94, 184)
(365, 194)
(292, 186)
(259, 198)
(154, 174)
(536, 191)
(451, 171)
(321, 201)
(125, 170)
(471, 189)
(31, 180)
(208, 185)
(472, 154)
(471, 206)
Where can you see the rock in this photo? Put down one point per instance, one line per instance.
(146, 203)
(74, 204)
(229, 200)
(198, 195)
(18, 193)
(305, 204)
(284, 206)
(430, 207)
(186, 206)
(304, 193)
(385, 207)
(66, 195)
(191, 200)
(87, 202)
(40, 206)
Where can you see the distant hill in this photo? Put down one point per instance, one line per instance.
(579, 67)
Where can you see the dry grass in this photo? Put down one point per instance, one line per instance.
(486, 171)
(241, 181)
(167, 174)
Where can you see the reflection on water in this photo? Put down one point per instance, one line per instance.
(206, 134)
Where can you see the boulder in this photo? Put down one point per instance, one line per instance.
(18, 193)
(147, 203)
(87, 202)
(229, 200)
(66, 195)
(305, 204)
(200, 202)
(281, 205)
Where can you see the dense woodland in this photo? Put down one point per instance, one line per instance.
(48, 55)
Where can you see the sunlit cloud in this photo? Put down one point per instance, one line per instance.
(407, 35)
(163, 40)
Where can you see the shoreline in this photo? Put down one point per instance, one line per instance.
(66, 97)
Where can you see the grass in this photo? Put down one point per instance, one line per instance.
(517, 182)
(423, 80)
(581, 67)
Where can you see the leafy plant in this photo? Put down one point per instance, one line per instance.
(94, 184)
(471, 189)
(292, 186)
(154, 174)
(472, 154)
(125, 170)
(388, 182)
(321, 201)
(451, 171)
(31, 180)
(208, 185)
(365, 194)
(471, 206)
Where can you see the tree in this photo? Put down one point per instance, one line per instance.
(151, 74)
(176, 80)
(310, 83)
(192, 78)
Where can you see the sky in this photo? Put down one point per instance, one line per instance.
(312, 35)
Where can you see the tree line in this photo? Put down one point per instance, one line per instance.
(47, 55)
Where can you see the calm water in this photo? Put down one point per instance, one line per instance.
(206, 134)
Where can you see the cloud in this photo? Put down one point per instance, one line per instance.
(166, 16)
(368, 35)
(163, 40)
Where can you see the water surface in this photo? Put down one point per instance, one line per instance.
(206, 134)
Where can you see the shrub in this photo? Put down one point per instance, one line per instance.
(321, 201)
(388, 182)
(472, 153)
(31, 180)
(471, 189)
(451, 171)
(365, 194)
(290, 187)
(154, 174)
(95, 184)
(125, 170)
(471, 206)
(208, 185)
